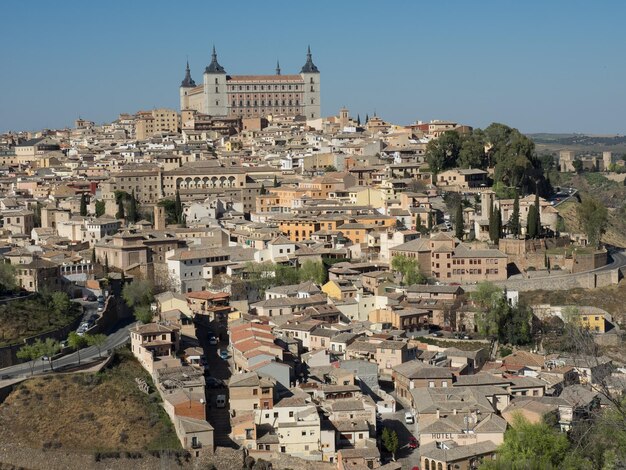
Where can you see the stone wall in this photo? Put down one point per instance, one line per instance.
(588, 280)
(8, 353)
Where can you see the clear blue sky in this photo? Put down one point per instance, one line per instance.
(541, 66)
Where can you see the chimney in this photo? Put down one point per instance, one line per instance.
(454, 411)
(438, 414)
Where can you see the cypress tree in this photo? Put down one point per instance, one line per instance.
(358, 119)
(531, 230)
(132, 208)
(514, 224)
(367, 118)
(537, 214)
(106, 265)
(491, 222)
(498, 225)
(178, 208)
(83, 205)
(459, 222)
(262, 191)
(120, 209)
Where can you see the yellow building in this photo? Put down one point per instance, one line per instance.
(148, 123)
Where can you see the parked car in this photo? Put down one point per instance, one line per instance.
(91, 298)
(413, 443)
(101, 299)
(212, 340)
(220, 401)
(409, 418)
(224, 354)
(437, 334)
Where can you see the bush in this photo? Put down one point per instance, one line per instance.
(248, 463)
(123, 437)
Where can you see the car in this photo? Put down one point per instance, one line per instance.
(91, 298)
(409, 418)
(213, 341)
(224, 354)
(437, 334)
(413, 443)
(100, 308)
(220, 401)
(101, 298)
(5, 377)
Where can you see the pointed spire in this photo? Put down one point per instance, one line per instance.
(277, 67)
(187, 81)
(309, 67)
(214, 66)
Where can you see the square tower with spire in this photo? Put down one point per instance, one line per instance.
(245, 96)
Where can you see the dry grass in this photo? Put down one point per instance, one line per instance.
(610, 298)
(616, 229)
(88, 412)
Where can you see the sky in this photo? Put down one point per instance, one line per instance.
(540, 66)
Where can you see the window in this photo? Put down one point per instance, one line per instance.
(291, 414)
(304, 433)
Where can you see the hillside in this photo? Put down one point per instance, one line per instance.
(616, 229)
(579, 142)
(88, 412)
(20, 319)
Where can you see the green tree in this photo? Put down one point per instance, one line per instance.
(514, 221)
(143, 313)
(133, 214)
(178, 208)
(138, 292)
(367, 118)
(49, 348)
(30, 352)
(532, 230)
(458, 222)
(358, 119)
(100, 208)
(472, 152)
(495, 225)
(76, 342)
(330, 168)
(262, 191)
(8, 281)
(593, 217)
(60, 302)
(285, 275)
(312, 271)
(443, 152)
(98, 340)
(408, 270)
(534, 446)
(106, 265)
(83, 204)
(120, 214)
(390, 441)
(578, 165)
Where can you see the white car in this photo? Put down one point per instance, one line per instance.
(409, 418)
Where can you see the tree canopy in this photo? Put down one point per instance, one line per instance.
(528, 445)
(593, 217)
(138, 292)
(408, 269)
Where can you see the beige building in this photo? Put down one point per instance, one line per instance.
(249, 96)
(148, 123)
(248, 391)
(155, 345)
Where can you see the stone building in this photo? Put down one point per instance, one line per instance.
(249, 96)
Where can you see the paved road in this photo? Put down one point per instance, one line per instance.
(117, 337)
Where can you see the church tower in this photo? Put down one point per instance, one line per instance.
(215, 93)
(311, 77)
(186, 85)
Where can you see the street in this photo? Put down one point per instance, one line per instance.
(118, 337)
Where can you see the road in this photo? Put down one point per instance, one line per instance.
(117, 337)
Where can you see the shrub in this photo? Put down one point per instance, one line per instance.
(123, 437)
